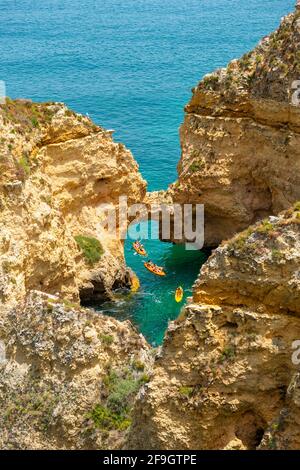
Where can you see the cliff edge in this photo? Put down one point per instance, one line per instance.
(68, 375)
(57, 169)
(226, 377)
(240, 137)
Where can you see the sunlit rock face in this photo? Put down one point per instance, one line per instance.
(57, 169)
(240, 137)
(61, 367)
(226, 377)
(68, 375)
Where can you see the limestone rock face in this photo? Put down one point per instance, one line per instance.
(68, 375)
(225, 378)
(240, 137)
(56, 368)
(57, 169)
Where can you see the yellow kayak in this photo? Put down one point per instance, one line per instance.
(135, 283)
(155, 269)
(179, 294)
(138, 247)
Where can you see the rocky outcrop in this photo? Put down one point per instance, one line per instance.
(57, 169)
(240, 137)
(225, 378)
(68, 376)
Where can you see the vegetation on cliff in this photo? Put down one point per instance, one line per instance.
(60, 374)
(57, 168)
(225, 378)
(240, 137)
(91, 248)
(268, 71)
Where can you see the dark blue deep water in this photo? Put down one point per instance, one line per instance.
(131, 64)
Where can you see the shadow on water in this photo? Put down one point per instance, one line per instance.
(153, 306)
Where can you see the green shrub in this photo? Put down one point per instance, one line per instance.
(297, 206)
(138, 365)
(106, 339)
(24, 164)
(239, 241)
(70, 305)
(34, 122)
(35, 406)
(196, 166)
(104, 418)
(276, 255)
(227, 354)
(209, 81)
(250, 78)
(91, 248)
(272, 443)
(122, 391)
(144, 379)
(196, 154)
(186, 391)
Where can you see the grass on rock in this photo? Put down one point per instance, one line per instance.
(91, 248)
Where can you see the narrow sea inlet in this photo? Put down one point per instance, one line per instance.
(160, 120)
(154, 305)
(132, 70)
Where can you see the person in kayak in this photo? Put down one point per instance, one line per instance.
(139, 248)
(154, 267)
(179, 294)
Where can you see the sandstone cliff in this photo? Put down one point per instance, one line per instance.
(68, 376)
(240, 137)
(225, 378)
(57, 168)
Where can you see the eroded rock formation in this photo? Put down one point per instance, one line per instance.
(68, 376)
(240, 137)
(57, 169)
(225, 378)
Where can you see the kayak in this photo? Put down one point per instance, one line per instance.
(158, 271)
(139, 249)
(179, 294)
(135, 283)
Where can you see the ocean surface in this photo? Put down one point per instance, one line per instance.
(130, 64)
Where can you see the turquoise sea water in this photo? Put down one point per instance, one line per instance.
(154, 305)
(130, 64)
